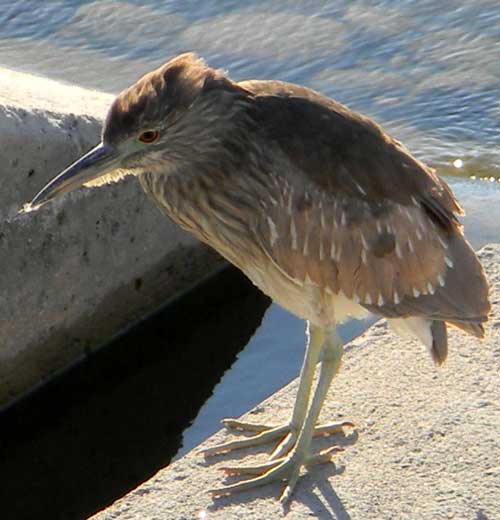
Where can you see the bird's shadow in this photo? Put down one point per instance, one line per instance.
(316, 492)
(325, 503)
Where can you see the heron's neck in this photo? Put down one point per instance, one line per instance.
(213, 195)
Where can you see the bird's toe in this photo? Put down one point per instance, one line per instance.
(286, 469)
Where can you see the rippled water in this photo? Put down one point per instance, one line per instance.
(428, 71)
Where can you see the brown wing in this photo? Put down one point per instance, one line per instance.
(343, 152)
(360, 215)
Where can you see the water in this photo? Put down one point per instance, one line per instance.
(427, 71)
(107, 424)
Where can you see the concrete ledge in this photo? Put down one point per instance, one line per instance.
(427, 445)
(79, 270)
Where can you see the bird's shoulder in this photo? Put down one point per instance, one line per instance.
(344, 153)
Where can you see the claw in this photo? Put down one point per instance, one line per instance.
(331, 428)
(323, 456)
(286, 494)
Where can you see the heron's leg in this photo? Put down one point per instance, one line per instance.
(322, 337)
(289, 432)
(288, 468)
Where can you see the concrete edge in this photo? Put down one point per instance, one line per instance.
(76, 271)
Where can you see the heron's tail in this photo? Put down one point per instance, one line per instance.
(439, 346)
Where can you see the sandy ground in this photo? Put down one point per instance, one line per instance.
(426, 445)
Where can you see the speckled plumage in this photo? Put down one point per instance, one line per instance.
(316, 204)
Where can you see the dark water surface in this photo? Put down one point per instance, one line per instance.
(111, 422)
(428, 71)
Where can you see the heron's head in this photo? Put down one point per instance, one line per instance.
(168, 116)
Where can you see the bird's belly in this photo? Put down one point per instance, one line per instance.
(305, 299)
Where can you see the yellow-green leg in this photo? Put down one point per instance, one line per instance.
(265, 433)
(325, 345)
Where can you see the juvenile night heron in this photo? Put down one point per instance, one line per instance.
(316, 204)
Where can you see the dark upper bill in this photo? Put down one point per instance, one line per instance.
(99, 161)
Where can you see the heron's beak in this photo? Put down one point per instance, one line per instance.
(100, 160)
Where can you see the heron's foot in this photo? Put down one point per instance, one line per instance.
(264, 433)
(285, 469)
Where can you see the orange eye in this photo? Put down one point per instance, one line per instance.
(149, 136)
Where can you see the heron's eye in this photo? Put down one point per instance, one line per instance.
(149, 136)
